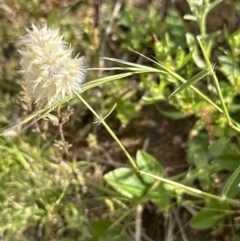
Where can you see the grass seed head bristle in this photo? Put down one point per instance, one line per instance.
(48, 67)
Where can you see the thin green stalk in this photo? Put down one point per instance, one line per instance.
(202, 22)
(24, 163)
(172, 73)
(193, 191)
(193, 88)
(122, 218)
(63, 194)
(225, 111)
(102, 121)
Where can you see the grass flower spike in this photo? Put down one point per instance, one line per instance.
(47, 64)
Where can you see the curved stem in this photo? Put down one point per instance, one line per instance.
(215, 79)
(193, 191)
(102, 121)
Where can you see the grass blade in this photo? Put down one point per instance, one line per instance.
(190, 82)
(231, 184)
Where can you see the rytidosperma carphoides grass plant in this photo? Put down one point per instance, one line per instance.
(60, 74)
(52, 76)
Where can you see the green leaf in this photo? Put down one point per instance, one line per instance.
(231, 188)
(193, 47)
(228, 68)
(176, 115)
(98, 228)
(197, 151)
(190, 82)
(149, 164)
(127, 182)
(190, 17)
(200, 158)
(217, 147)
(175, 28)
(229, 162)
(182, 58)
(126, 19)
(206, 219)
(160, 196)
(125, 111)
(205, 181)
(100, 231)
(213, 203)
(97, 82)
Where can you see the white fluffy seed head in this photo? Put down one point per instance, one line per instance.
(46, 62)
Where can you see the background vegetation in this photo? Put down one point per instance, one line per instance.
(64, 178)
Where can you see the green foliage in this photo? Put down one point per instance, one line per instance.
(137, 27)
(210, 216)
(35, 194)
(102, 230)
(231, 187)
(139, 188)
(210, 149)
(38, 196)
(125, 110)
